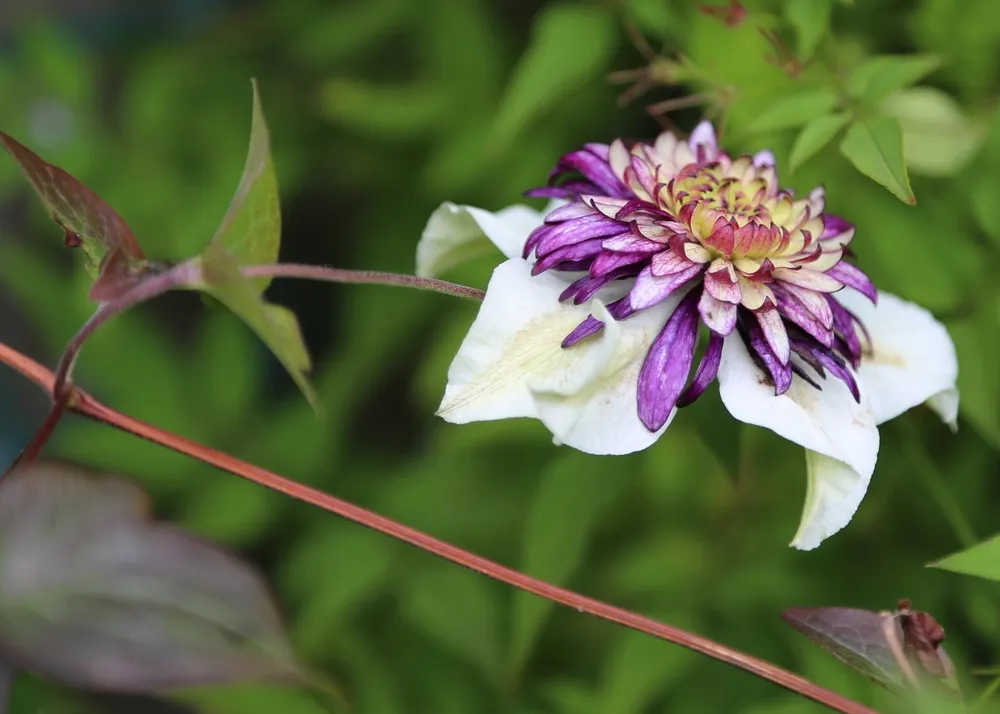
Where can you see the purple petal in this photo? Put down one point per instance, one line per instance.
(718, 316)
(770, 322)
(668, 362)
(619, 309)
(534, 237)
(583, 289)
(669, 262)
(632, 206)
(797, 370)
(595, 169)
(795, 311)
(764, 158)
(708, 370)
(781, 374)
(577, 231)
(570, 189)
(703, 143)
(830, 361)
(608, 261)
(650, 289)
(643, 174)
(577, 209)
(632, 243)
(574, 253)
(852, 275)
(844, 323)
(723, 285)
(834, 226)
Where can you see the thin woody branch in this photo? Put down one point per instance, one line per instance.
(85, 405)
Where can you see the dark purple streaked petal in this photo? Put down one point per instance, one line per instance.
(641, 172)
(608, 261)
(781, 374)
(595, 169)
(632, 243)
(708, 370)
(619, 309)
(575, 253)
(828, 359)
(650, 290)
(570, 189)
(633, 206)
(667, 365)
(795, 311)
(773, 327)
(797, 370)
(583, 289)
(534, 237)
(572, 266)
(844, 323)
(576, 209)
(577, 230)
(852, 275)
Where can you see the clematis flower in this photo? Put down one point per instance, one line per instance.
(653, 255)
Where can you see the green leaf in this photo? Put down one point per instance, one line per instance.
(794, 110)
(814, 136)
(573, 494)
(981, 560)
(938, 139)
(459, 609)
(251, 699)
(875, 78)
(89, 222)
(570, 46)
(875, 147)
(638, 669)
(276, 326)
(251, 228)
(811, 20)
(103, 598)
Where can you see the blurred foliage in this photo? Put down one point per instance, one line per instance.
(380, 110)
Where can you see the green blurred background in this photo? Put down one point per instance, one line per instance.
(379, 110)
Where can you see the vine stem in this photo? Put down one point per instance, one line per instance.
(339, 275)
(85, 405)
(189, 274)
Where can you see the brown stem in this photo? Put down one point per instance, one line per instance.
(89, 407)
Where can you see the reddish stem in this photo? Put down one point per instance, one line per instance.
(29, 453)
(89, 407)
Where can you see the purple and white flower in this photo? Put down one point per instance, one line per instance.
(652, 255)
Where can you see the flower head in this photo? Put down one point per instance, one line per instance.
(593, 323)
(685, 216)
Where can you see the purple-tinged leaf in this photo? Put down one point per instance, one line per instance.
(855, 637)
(88, 221)
(119, 276)
(96, 595)
(900, 650)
